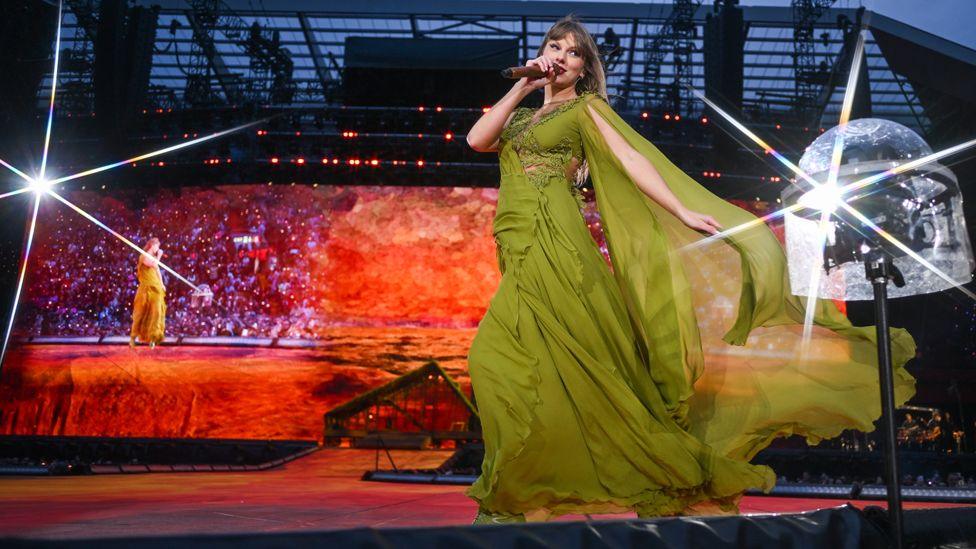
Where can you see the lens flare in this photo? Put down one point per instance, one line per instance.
(20, 278)
(158, 152)
(40, 185)
(908, 251)
(15, 193)
(844, 190)
(125, 240)
(827, 196)
(54, 88)
(22, 175)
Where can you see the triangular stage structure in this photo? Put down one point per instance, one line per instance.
(418, 409)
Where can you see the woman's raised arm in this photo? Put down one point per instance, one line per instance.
(648, 179)
(484, 135)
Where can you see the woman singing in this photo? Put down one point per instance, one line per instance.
(647, 388)
(149, 306)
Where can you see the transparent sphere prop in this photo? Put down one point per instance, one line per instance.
(921, 207)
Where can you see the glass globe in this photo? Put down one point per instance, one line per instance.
(921, 207)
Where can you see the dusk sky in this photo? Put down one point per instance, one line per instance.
(951, 19)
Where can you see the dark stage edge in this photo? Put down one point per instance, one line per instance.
(838, 527)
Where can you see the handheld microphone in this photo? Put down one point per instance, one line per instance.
(531, 72)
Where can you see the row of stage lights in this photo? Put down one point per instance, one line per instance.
(348, 134)
(316, 185)
(375, 162)
(645, 115)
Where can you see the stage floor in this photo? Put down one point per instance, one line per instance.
(211, 392)
(319, 492)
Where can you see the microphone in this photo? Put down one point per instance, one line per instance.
(530, 72)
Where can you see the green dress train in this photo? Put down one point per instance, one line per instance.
(648, 386)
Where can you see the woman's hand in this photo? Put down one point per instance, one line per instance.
(547, 66)
(699, 221)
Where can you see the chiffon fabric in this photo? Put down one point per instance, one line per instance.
(149, 306)
(650, 385)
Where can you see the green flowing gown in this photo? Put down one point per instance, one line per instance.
(648, 386)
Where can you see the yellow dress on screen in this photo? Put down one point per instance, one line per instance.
(149, 306)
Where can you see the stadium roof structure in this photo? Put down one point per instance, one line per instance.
(314, 33)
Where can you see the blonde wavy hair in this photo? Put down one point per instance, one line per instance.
(594, 79)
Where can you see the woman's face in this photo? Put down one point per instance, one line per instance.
(563, 52)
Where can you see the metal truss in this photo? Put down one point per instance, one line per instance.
(811, 74)
(202, 57)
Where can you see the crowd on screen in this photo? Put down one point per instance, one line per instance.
(252, 247)
(253, 251)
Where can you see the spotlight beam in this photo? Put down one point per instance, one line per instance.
(20, 278)
(852, 75)
(856, 185)
(54, 87)
(837, 154)
(156, 152)
(15, 193)
(907, 166)
(125, 240)
(846, 189)
(908, 251)
(756, 139)
(10, 167)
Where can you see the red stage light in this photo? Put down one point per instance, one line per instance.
(778, 127)
(704, 120)
(439, 109)
(485, 109)
(420, 163)
(644, 115)
(274, 160)
(300, 160)
(420, 108)
(374, 162)
(667, 116)
(677, 117)
(448, 136)
(298, 133)
(325, 160)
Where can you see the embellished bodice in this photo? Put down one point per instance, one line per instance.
(548, 146)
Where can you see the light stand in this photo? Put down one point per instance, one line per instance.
(878, 268)
(904, 224)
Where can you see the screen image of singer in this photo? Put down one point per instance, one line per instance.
(297, 314)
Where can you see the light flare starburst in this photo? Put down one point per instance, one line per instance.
(40, 185)
(827, 196)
